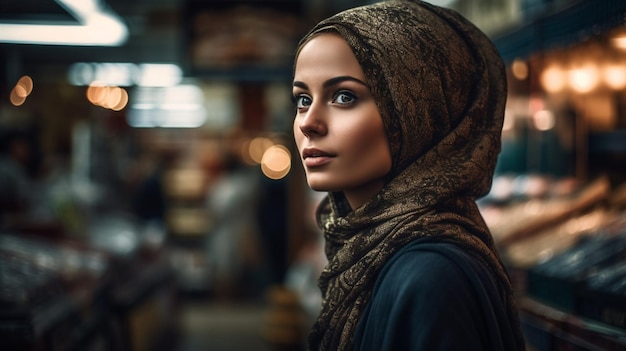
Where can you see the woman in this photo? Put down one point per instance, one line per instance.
(399, 113)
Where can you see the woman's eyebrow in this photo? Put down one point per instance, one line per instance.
(331, 82)
(337, 80)
(300, 84)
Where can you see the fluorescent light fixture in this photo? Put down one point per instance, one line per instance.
(98, 26)
(159, 118)
(158, 75)
(126, 74)
(180, 106)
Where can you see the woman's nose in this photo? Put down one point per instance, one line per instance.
(313, 122)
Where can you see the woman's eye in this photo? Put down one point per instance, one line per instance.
(302, 101)
(344, 98)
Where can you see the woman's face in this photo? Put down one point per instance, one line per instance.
(337, 128)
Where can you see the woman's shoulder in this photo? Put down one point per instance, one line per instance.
(423, 267)
(425, 298)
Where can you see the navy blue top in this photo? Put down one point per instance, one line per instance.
(434, 297)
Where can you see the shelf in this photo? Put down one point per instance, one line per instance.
(547, 328)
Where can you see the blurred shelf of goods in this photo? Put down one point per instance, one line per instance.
(144, 164)
(557, 207)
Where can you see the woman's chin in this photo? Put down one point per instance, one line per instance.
(318, 185)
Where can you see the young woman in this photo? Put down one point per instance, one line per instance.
(399, 113)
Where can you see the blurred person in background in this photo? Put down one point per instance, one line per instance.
(18, 170)
(399, 111)
(233, 238)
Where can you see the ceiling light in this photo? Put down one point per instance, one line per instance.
(98, 26)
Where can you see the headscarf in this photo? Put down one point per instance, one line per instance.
(440, 87)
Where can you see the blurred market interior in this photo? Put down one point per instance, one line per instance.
(151, 199)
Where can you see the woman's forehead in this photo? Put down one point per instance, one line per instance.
(327, 53)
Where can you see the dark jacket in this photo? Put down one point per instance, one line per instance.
(433, 296)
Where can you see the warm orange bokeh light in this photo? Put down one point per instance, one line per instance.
(276, 162)
(585, 78)
(95, 92)
(21, 90)
(257, 148)
(25, 83)
(16, 99)
(553, 79)
(122, 102)
(543, 120)
(615, 76)
(111, 97)
(519, 69)
(619, 42)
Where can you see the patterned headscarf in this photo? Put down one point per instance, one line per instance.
(440, 87)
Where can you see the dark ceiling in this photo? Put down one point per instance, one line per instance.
(33, 10)
(154, 33)
(157, 31)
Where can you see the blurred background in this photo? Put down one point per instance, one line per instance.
(151, 198)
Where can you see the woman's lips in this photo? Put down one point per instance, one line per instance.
(316, 161)
(315, 157)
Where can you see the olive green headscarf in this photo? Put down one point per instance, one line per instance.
(440, 87)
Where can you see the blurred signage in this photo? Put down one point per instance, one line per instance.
(491, 16)
(234, 34)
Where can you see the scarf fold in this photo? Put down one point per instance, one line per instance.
(440, 87)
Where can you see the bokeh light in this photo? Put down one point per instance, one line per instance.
(544, 120)
(619, 42)
(553, 79)
(519, 69)
(276, 162)
(614, 76)
(257, 148)
(21, 91)
(107, 96)
(585, 78)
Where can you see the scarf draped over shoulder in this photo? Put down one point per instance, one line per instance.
(440, 87)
